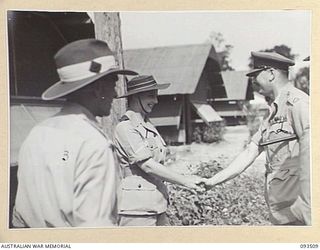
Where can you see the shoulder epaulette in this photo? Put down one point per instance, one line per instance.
(124, 118)
(292, 99)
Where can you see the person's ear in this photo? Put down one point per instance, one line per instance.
(272, 75)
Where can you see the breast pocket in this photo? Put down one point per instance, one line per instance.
(280, 129)
(152, 146)
(279, 134)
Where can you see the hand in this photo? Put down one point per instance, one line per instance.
(209, 183)
(193, 182)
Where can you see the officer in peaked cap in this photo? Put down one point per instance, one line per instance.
(267, 60)
(284, 136)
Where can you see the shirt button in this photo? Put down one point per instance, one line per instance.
(139, 186)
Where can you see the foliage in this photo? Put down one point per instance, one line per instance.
(223, 50)
(254, 116)
(236, 202)
(212, 133)
(281, 49)
(302, 79)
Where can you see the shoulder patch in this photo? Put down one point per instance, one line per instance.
(292, 99)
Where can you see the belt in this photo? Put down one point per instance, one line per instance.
(132, 170)
(135, 170)
(286, 138)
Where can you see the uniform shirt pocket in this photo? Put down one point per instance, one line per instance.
(152, 145)
(139, 196)
(280, 129)
(283, 188)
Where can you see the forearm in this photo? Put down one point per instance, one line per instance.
(237, 166)
(157, 169)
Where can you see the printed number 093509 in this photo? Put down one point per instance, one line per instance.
(309, 246)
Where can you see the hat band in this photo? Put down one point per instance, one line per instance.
(142, 85)
(86, 69)
(263, 67)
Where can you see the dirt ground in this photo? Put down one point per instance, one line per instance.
(234, 141)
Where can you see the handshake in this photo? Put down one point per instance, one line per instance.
(197, 183)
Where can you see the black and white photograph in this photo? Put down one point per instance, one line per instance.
(159, 118)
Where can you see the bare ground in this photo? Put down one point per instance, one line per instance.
(235, 139)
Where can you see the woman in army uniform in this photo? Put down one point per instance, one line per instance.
(143, 197)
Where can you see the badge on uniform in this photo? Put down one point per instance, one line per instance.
(65, 155)
(279, 119)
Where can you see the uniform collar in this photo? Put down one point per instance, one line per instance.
(280, 101)
(284, 93)
(77, 109)
(137, 120)
(135, 117)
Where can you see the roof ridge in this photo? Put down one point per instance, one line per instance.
(172, 46)
(183, 65)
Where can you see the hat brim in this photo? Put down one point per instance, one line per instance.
(61, 88)
(158, 86)
(254, 72)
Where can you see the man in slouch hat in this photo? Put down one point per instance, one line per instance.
(68, 173)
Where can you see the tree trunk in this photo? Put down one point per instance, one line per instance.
(107, 28)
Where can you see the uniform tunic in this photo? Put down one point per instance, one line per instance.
(284, 136)
(67, 173)
(137, 140)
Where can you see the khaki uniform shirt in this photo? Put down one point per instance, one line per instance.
(284, 136)
(67, 174)
(136, 141)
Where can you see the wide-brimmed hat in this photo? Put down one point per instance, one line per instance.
(267, 60)
(80, 63)
(143, 83)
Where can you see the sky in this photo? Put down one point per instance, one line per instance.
(245, 31)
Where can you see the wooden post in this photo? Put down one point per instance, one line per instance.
(107, 28)
(187, 118)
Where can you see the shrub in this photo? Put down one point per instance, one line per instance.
(212, 133)
(255, 115)
(236, 202)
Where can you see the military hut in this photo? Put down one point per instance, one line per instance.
(195, 76)
(239, 93)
